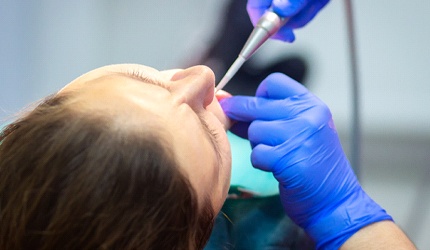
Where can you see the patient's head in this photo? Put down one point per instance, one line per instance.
(123, 157)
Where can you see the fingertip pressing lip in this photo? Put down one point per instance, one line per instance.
(221, 94)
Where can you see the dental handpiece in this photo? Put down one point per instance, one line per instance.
(267, 26)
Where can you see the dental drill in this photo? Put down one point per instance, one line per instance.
(267, 25)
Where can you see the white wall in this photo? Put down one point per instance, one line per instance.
(45, 44)
(393, 51)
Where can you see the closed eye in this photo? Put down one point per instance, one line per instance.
(213, 137)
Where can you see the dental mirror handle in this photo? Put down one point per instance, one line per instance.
(267, 26)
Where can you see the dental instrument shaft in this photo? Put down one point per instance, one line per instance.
(231, 72)
(268, 25)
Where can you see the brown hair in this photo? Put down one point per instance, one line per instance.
(70, 180)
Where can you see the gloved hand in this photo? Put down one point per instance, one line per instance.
(300, 13)
(293, 136)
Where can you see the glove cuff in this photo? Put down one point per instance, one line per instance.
(331, 231)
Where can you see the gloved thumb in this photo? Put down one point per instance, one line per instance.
(288, 8)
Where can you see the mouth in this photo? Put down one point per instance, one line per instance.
(227, 123)
(221, 94)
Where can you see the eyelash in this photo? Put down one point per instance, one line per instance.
(216, 137)
(214, 134)
(138, 74)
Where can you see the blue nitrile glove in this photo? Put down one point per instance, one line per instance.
(293, 135)
(300, 13)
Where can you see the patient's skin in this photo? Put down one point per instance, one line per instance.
(174, 100)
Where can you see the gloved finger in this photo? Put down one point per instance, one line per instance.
(256, 9)
(306, 14)
(259, 4)
(240, 129)
(268, 158)
(287, 8)
(284, 34)
(280, 86)
(264, 157)
(303, 157)
(248, 109)
(275, 132)
(293, 130)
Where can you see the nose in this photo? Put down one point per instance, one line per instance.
(194, 86)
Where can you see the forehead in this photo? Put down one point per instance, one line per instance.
(127, 105)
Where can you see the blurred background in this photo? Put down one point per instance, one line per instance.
(45, 44)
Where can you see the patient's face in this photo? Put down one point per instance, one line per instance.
(182, 102)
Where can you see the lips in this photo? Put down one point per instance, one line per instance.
(221, 94)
